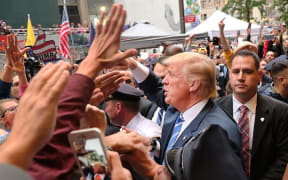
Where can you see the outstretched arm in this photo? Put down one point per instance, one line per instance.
(42, 98)
(222, 36)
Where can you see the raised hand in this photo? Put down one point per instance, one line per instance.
(249, 29)
(117, 170)
(94, 117)
(35, 118)
(14, 56)
(133, 141)
(221, 25)
(103, 52)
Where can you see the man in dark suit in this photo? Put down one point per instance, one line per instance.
(188, 88)
(267, 128)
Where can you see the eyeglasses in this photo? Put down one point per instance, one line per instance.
(10, 109)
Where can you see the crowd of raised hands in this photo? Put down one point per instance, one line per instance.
(37, 115)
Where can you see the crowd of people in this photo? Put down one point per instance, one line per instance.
(211, 112)
(79, 29)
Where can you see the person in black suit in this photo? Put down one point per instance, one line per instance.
(267, 118)
(188, 88)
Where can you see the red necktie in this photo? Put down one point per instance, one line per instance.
(244, 128)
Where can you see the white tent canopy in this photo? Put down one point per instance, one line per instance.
(232, 25)
(144, 30)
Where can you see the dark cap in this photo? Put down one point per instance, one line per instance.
(126, 93)
(209, 155)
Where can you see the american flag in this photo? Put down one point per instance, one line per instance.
(65, 30)
(44, 50)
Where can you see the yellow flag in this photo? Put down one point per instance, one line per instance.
(30, 39)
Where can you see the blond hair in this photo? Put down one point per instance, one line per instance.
(200, 67)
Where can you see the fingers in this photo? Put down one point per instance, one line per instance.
(97, 97)
(116, 18)
(24, 51)
(57, 78)
(118, 58)
(109, 80)
(76, 67)
(59, 85)
(110, 16)
(102, 77)
(43, 75)
(117, 170)
(99, 27)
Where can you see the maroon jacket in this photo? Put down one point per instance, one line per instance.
(55, 160)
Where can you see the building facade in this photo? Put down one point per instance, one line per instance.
(85, 11)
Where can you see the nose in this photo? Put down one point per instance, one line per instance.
(241, 76)
(165, 80)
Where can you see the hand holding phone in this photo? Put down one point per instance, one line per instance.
(90, 152)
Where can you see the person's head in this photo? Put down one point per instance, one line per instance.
(159, 68)
(172, 50)
(246, 45)
(244, 75)
(202, 50)
(8, 108)
(191, 78)
(279, 74)
(270, 55)
(275, 31)
(15, 87)
(123, 105)
(222, 58)
(262, 65)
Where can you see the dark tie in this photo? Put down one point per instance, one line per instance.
(244, 128)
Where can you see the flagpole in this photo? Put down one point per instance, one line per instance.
(72, 57)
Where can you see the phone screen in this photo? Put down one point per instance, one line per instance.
(91, 158)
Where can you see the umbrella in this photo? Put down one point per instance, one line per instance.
(278, 59)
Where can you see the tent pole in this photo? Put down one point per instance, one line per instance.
(182, 17)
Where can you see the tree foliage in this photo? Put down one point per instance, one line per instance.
(282, 7)
(243, 8)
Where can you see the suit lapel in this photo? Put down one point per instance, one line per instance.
(193, 128)
(261, 122)
(227, 105)
(169, 121)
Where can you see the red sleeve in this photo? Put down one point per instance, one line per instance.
(55, 160)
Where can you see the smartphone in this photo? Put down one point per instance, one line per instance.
(91, 155)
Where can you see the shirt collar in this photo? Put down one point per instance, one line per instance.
(133, 121)
(251, 104)
(195, 109)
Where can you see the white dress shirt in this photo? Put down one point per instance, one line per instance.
(190, 114)
(251, 105)
(144, 127)
(140, 73)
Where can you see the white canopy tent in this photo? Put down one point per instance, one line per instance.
(232, 25)
(144, 30)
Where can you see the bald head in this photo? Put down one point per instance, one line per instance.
(172, 50)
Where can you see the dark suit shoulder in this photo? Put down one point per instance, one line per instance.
(273, 103)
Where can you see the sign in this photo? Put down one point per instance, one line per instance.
(44, 50)
(2, 38)
(190, 18)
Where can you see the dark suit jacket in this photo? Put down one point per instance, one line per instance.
(211, 114)
(270, 138)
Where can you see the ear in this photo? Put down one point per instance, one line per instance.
(194, 86)
(118, 107)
